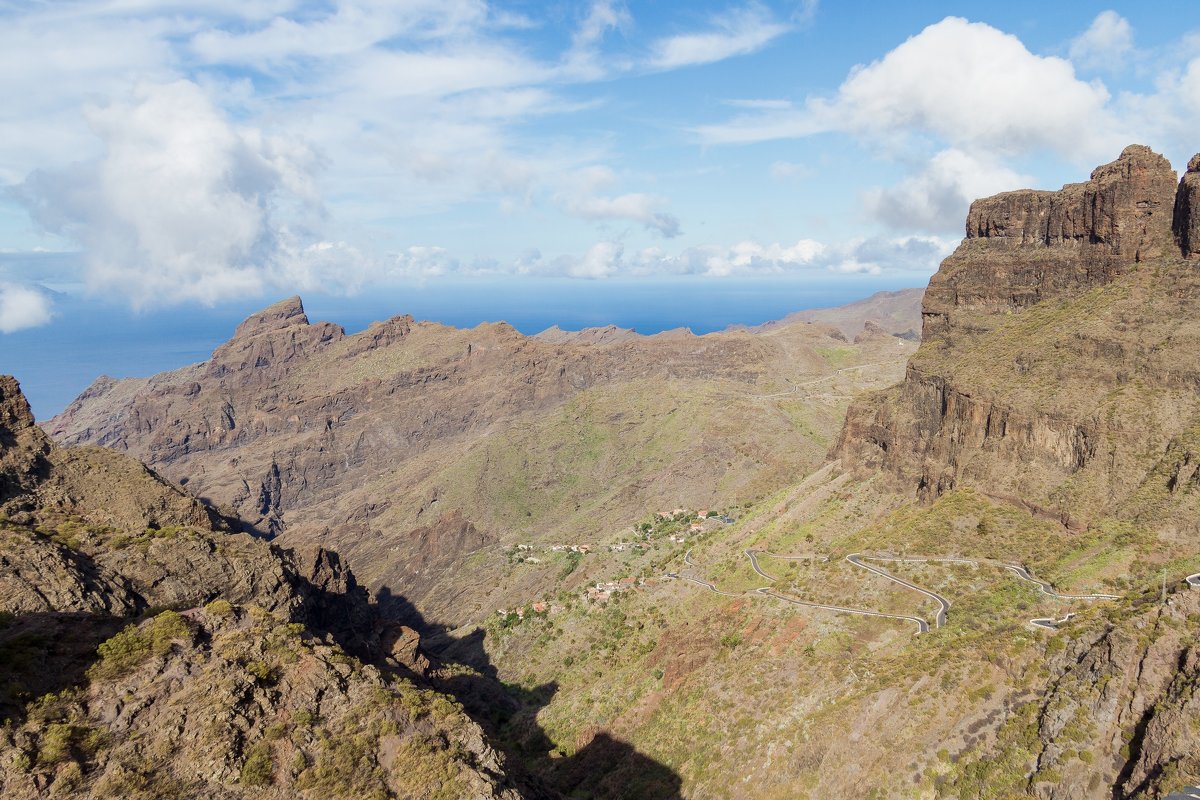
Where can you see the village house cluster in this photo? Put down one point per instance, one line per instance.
(525, 551)
(539, 607)
(603, 592)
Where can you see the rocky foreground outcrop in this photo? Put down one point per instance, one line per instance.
(1114, 717)
(270, 674)
(1058, 363)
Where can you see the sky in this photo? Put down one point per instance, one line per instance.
(188, 154)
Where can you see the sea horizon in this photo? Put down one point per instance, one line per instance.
(90, 338)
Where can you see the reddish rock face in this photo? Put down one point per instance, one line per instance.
(1187, 209)
(273, 338)
(1027, 246)
(1058, 363)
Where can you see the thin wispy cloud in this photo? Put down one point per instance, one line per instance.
(585, 197)
(612, 258)
(734, 33)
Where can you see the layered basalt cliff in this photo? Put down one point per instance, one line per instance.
(1058, 363)
(1027, 246)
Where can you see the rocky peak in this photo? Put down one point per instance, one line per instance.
(1026, 246)
(284, 314)
(23, 445)
(1122, 210)
(15, 414)
(1187, 209)
(269, 340)
(1055, 369)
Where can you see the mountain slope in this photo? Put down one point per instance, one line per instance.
(270, 676)
(412, 446)
(981, 594)
(898, 313)
(1047, 423)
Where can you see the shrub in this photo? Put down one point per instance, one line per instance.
(219, 608)
(259, 769)
(130, 647)
(262, 671)
(60, 739)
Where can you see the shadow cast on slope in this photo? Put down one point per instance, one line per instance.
(605, 768)
(47, 652)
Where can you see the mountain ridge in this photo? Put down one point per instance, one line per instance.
(381, 437)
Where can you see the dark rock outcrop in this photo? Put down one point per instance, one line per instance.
(1187, 209)
(23, 446)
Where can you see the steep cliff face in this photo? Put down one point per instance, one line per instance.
(1024, 247)
(23, 446)
(1058, 363)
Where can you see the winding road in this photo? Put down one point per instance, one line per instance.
(798, 386)
(766, 591)
(859, 559)
(1050, 623)
(943, 604)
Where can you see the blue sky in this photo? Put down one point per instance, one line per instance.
(200, 153)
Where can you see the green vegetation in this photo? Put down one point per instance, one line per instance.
(572, 558)
(134, 645)
(839, 356)
(63, 741)
(259, 768)
(219, 608)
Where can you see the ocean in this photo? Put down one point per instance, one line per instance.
(89, 337)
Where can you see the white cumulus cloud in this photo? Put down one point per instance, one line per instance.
(185, 205)
(937, 198)
(1105, 44)
(22, 307)
(968, 85)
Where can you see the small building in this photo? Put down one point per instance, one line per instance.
(596, 594)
